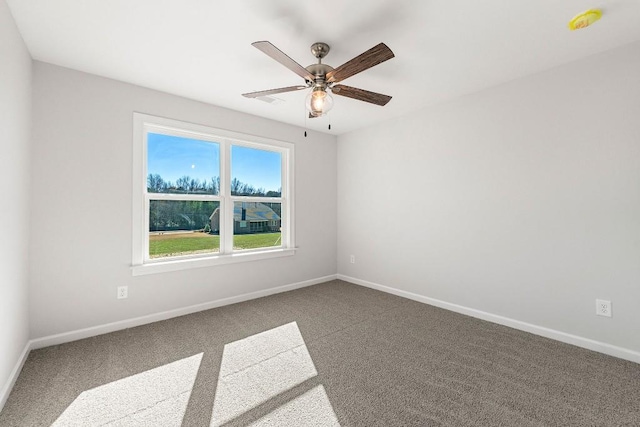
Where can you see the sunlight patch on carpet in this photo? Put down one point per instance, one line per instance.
(260, 367)
(158, 396)
(312, 408)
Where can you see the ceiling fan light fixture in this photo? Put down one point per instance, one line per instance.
(319, 101)
(323, 79)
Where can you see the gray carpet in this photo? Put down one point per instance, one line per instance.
(330, 354)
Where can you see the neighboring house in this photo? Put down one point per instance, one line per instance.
(249, 217)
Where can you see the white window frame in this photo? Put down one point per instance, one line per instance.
(141, 263)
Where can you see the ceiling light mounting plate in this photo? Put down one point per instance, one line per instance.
(320, 50)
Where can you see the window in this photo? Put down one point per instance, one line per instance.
(205, 196)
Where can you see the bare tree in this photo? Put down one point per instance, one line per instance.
(155, 183)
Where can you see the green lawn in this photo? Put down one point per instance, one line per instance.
(252, 241)
(172, 244)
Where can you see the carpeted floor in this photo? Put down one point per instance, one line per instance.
(330, 354)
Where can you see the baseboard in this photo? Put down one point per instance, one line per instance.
(143, 320)
(611, 350)
(6, 390)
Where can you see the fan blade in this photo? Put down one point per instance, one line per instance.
(272, 91)
(370, 58)
(361, 94)
(284, 59)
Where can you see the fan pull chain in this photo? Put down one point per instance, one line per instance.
(305, 121)
(329, 126)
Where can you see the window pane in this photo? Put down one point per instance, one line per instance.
(255, 172)
(180, 227)
(182, 165)
(256, 225)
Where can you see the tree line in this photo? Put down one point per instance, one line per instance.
(188, 185)
(166, 215)
(183, 185)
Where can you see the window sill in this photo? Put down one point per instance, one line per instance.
(187, 264)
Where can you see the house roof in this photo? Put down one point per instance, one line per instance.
(255, 211)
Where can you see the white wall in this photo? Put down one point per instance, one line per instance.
(82, 205)
(15, 124)
(522, 200)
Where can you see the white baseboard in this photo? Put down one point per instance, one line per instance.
(612, 350)
(4, 394)
(587, 343)
(143, 320)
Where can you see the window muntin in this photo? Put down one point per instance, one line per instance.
(200, 183)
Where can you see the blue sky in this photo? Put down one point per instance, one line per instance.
(256, 167)
(172, 157)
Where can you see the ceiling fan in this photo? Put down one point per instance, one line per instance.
(323, 78)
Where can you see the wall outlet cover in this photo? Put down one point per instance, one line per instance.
(123, 292)
(603, 308)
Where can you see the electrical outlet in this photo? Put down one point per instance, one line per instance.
(603, 308)
(123, 292)
(352, 259)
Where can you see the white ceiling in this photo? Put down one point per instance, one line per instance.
(201, 49)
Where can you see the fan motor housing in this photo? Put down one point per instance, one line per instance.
(319, 70)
